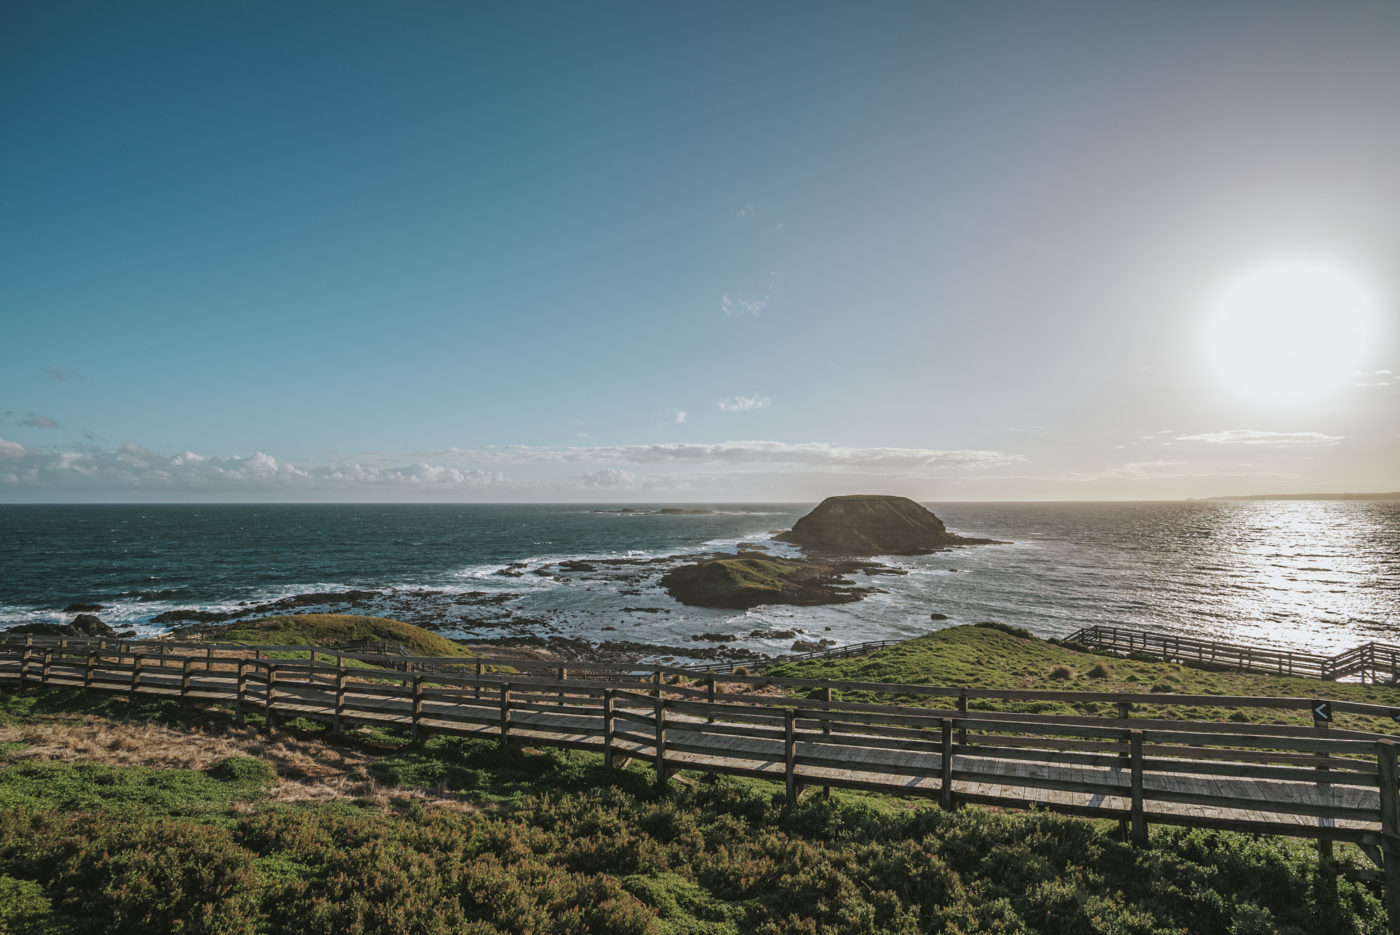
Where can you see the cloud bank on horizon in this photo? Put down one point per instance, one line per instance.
(570, 252)
(780, 470)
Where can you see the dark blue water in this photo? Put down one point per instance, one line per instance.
(1318, 574)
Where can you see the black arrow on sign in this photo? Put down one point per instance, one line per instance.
(1322, 711)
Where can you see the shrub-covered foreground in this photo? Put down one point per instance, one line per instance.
(560, 853)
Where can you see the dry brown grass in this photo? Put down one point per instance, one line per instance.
(308, 770)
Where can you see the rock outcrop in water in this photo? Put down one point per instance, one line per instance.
(872, 524)
(749, 579)
(83, 625)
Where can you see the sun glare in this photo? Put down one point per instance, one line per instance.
(1290, 331)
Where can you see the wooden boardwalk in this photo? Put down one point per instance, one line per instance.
(1370, 661)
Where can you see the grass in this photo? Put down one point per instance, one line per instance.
(332, 631)
(456, 835)
(985, 656)
(737, 576)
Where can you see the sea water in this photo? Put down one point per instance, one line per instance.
(1320, 575)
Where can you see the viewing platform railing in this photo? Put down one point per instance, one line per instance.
(1370, 661)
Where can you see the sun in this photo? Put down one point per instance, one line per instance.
(1290, 331)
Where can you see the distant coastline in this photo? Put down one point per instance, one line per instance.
(1393, 495)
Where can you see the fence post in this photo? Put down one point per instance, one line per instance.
(339, 700)
(24, 663)
(962, 710)
(656, 683)
(185, 679)
(477, 690)
(87, 672)
(608, 703)
(240, 690)
(790, 754)
(1139, 814)
(1390, 831)
(660, 741)
(44, 669)
(417, 706)
(135, 674)
(563, 674)
(1125, 712)
(710, 697)
(945, 792)
(826, 729)
(1324, 845)
(505, 715)
(267, 697)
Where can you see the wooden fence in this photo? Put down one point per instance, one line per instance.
(958, 745)
(1369, 661)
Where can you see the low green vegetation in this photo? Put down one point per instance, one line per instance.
(996, 656)
(333, 631)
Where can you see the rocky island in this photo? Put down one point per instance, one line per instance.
(748, 579)
(872, 524)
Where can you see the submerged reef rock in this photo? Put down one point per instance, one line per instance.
(872, 524)
(748, 579)
(82, 625)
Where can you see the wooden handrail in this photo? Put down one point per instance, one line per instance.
(1360, 660)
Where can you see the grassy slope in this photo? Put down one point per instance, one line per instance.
(332, 631)
(985, 657)
(742, 575)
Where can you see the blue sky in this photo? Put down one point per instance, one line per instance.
(691, 252)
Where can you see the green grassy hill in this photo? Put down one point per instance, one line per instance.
(332, 631)
(994, 656)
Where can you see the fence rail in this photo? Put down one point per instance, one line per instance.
(1370, 661)
(1329, 784)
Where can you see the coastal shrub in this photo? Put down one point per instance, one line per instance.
(243, 769)
(726, 856)
(168, 876)
(1061, 673)
(1007, 628)
(1099, 671)
(23, 907)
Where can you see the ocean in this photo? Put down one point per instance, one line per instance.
(1318, 575)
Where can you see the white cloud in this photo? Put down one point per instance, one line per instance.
(741, 307)
(1263, 439)
(680, 417)
(1135, 470)
(31, 420)
(135, 472)
(61, 374)
(133, 468)
(745, 403)
(1377, 378)
(609, 479)
(756, 453)
(747, 211)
